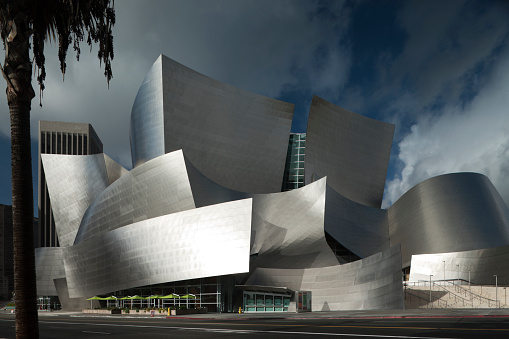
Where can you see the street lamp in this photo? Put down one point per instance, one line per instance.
(444, 270)
(430, 290)
(496, 290)
(458, 274)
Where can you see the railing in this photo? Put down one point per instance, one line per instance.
(424, 296)
(455, 290)
(475, 296)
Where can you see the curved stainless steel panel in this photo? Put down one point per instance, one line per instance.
(49, 265)
(288, 229)
(158, 187)
(362, 229)
(114, 169)
(236, 138)
(147, 122)
(350, 149)
(202, 242)
(479, 266)
(74, 181)
(451, 212)
(373, 283)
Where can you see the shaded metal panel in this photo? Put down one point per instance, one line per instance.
(207, 192)
(203, 242)
(372, 283)
(49, 265)
(288, 229)
(350, 149)
(482, 264)
(449, 213)
(74, 181)
(158, 187)
(362, 229)
(114, 169)
(146, 128)
(236, 138)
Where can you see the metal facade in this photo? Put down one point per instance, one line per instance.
(288, 229)
(147, 118)
(350, 149)
(73, 183)
(361, 229)
(477, 266)
(236, 138)
(202, 242)
(155, 188)
(204, 200)
(371, 283)
(449, 213)
(57, 137)
(49, 265)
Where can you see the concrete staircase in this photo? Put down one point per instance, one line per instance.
(447, 294)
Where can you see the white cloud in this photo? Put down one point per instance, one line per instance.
(260, 46)
(470, 139)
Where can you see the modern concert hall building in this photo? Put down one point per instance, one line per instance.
(208, 208)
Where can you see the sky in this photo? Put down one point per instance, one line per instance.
(438, 70)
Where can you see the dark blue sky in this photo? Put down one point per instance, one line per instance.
(439, 70)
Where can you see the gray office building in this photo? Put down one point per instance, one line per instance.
(60, 138)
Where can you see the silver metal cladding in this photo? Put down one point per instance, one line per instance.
(361, 229)
(158, 187)
(373, 283)
(203, 242)
(236, 138)
(74, 181)
(449, 213)
(49, 265)
(147, 121)
(477, 266)
(288, 229)
(350, 149)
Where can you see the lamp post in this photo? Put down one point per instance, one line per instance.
(444, 270)
(458, 274)
(496, 290)
(430, 290)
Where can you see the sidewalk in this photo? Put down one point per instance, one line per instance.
(379, 314)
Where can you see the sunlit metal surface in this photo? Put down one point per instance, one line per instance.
(373, 283)
(478, 266)
(49, 265)
(74, 181)
(350, 149)
(147, 118)
(202, 242)
(158, 187)
(449, 213)
(288, 229)
(362, 229)
(236, 138)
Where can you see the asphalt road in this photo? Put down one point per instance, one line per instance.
(77, 327)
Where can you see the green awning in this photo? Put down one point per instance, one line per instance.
(96, 298)
(171, 296)
(188, 296)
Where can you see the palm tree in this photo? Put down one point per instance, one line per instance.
(68, 22)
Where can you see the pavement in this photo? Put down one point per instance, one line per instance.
(370, 314)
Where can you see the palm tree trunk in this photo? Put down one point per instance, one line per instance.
(22, 215)
(17, 72)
